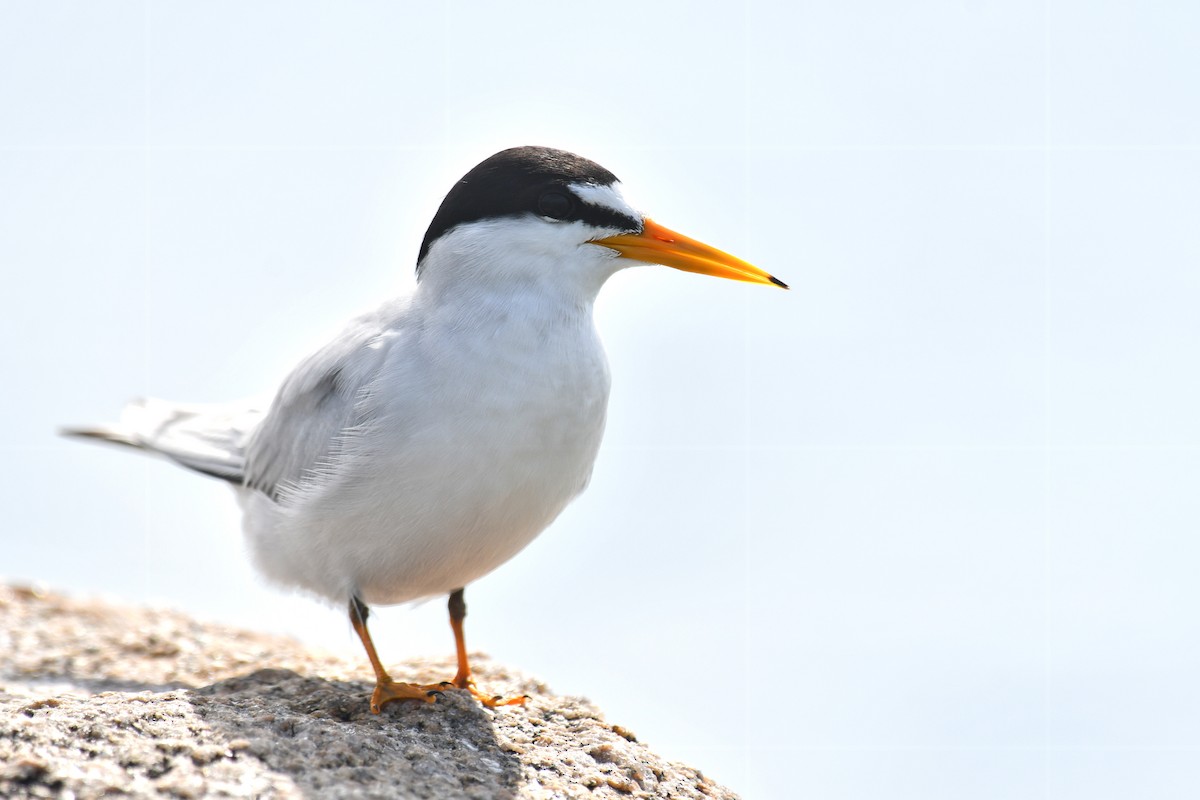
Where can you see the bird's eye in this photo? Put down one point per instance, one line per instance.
(555, 205)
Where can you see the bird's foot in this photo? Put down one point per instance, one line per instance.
(489, 700)
(386, 691)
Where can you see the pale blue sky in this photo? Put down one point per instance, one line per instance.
(928, 526)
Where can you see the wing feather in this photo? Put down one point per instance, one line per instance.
(319, 403)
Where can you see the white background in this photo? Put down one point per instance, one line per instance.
(927, 526)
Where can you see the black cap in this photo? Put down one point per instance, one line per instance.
(525, 180)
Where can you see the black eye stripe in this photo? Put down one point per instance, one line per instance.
(602, 217)
(563, 205)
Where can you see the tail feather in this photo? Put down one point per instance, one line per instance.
(112, 435)
(209, 439)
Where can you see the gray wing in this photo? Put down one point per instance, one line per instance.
(324, 400)
(310, 416)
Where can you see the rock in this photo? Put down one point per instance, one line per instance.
(98, 700)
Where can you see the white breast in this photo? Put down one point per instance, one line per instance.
(482, 428)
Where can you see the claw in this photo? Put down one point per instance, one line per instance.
(498, 700)
(488, 701)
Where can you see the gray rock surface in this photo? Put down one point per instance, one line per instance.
(101, 700)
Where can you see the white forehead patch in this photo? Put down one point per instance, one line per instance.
(606, 197)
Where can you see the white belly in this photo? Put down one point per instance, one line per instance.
(467, 460)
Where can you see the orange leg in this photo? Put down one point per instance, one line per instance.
(386, 689)
(463, 679)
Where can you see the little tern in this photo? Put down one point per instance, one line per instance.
(436, 436)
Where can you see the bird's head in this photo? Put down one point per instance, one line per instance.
(546, 216)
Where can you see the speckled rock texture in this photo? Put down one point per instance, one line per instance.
(99, 700)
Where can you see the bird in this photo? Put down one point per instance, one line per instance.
(437, 435)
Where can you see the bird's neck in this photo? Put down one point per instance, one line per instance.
(513, 309)
(494, 266)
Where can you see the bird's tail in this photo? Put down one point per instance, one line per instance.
(206, 438)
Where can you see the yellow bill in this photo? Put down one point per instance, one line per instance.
(659, 245)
